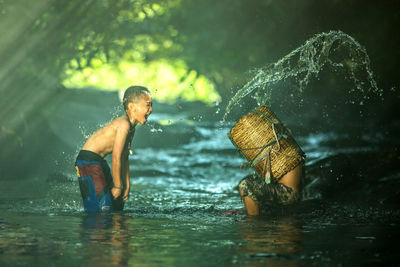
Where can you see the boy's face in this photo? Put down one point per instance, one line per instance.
(142, 109)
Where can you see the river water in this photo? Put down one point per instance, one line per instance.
(184, 209)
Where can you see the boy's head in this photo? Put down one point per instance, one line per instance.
(134, 94)
(137, 103)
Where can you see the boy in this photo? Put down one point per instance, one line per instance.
(257, 195)
(276, 157)
(101, 190)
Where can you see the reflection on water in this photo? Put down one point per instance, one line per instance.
(271, 241)
(108, 239)
(200, 239)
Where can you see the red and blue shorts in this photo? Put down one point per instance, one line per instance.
(95, 183)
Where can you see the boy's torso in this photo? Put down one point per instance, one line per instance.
(102, 141)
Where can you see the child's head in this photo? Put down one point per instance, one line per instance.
(134, 94)
(137, 103)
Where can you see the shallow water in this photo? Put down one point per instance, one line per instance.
(194, 238)
(184, 209)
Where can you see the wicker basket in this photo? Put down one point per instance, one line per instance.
(266, 143)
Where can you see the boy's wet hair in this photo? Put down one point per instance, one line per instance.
(134, 94)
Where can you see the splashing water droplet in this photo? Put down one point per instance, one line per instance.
(305, 63)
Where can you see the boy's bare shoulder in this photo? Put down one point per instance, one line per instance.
(121, 123)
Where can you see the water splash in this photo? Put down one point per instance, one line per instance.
(334, 48)
(154, 127)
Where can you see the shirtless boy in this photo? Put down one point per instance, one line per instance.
(102, 190)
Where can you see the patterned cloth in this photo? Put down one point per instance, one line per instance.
(95, 183)
(267, 195)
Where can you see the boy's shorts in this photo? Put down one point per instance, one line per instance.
(95, 183)
(267, 195)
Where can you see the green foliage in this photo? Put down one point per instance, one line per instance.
(44, 40)
(168, 80)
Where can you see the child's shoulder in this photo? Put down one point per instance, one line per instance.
(121, 122)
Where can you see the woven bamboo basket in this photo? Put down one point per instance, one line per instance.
(266, 143)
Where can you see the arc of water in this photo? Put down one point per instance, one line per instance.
(308, 60)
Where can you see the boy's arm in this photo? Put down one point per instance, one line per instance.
(118, 148)
(127, 181)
